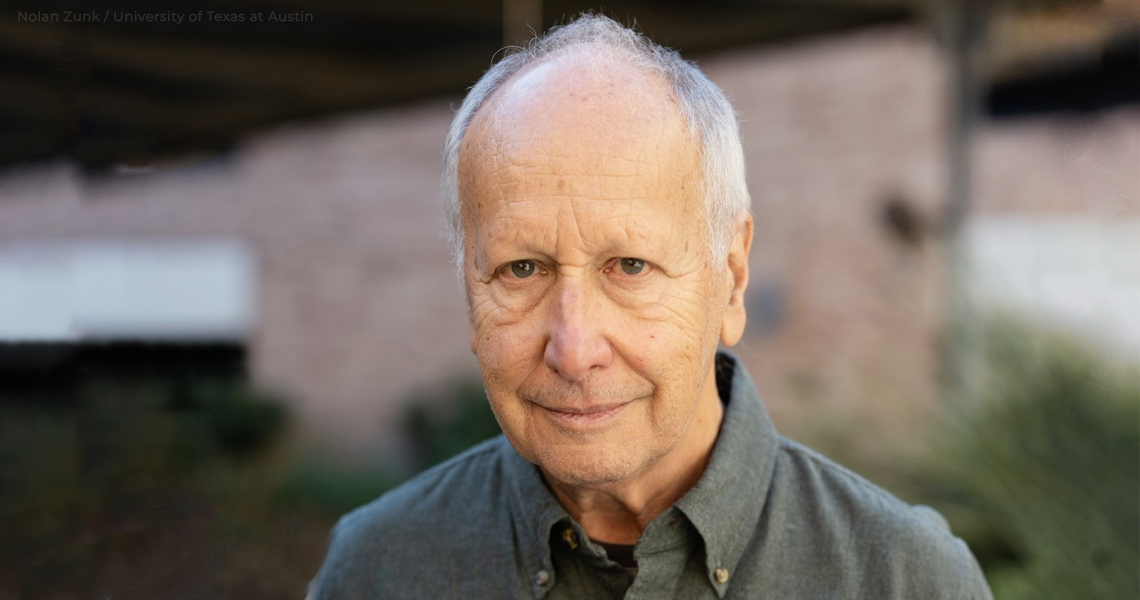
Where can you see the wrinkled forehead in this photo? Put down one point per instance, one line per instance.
(589, 99)
(572, 155)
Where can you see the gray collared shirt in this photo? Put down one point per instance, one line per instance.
(768, 519)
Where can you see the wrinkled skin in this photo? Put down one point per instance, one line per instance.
(595, 307)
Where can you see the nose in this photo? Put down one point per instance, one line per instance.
(576, 344)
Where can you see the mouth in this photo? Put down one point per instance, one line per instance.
(585, 418)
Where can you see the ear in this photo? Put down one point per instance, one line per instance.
(471, 334)
(732, 326)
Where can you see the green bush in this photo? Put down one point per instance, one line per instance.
(328, 487)
(1038, 468)
(109, 460)
(236, 419)
(438, 425)
(465, 420)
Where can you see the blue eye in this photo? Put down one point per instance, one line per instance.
(522, 268)
(632, 266)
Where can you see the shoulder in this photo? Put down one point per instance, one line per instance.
(456, 487)
(431, 519)
(877, 543)
(823, 486)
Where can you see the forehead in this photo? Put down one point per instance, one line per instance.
(576, 128)
(577, 94)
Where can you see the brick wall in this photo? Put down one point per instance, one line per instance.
(358, 305)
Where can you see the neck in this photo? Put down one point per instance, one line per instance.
(618, 512)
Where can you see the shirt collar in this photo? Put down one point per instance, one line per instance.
(724, 507)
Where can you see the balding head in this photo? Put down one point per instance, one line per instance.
(581, 128)
(586, 89)
(601, 45)
(579, 114)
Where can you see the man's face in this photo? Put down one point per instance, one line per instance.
(595, 307)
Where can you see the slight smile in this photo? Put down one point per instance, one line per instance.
(586, 418)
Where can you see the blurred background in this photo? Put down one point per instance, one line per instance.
(227, 312)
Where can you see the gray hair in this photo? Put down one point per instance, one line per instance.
(711, 119)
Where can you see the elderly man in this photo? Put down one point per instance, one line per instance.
(595, 189)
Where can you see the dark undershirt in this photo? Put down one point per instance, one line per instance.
(622, 554)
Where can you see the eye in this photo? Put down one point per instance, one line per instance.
(632, 266)
(523, 268)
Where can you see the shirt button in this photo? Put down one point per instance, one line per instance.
(720, 574)
(542, 578)
(570, 537)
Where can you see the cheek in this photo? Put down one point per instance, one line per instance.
(663, 353)
(681, 316)
(676, 341)
(507, 352)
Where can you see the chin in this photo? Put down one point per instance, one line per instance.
(593, 466)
